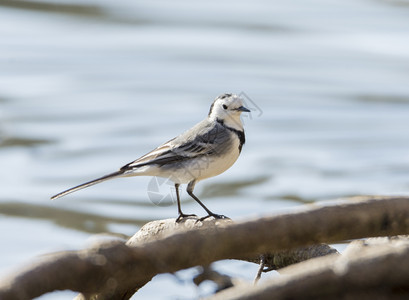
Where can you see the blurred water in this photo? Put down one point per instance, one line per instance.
(87, 86)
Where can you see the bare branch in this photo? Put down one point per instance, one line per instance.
(362, 272)
(116, 270)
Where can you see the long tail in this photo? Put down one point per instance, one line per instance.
(89, 183)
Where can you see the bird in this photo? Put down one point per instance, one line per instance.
(207, 149)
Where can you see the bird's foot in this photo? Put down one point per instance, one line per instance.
(182, 216)
(216, 216)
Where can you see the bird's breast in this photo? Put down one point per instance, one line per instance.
(222, 159)
(219, 158)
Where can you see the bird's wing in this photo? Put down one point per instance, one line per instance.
(168, 153)
(193, 143)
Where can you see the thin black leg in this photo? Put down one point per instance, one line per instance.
(189, 190)
(181, 214)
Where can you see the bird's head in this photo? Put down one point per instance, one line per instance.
(228, 108)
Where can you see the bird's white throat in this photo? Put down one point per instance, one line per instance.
(231, 121)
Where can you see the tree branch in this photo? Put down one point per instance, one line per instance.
(363, 272)
(115, 269)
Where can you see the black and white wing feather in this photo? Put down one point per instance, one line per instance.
(203, 139)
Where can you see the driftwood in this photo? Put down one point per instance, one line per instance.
(115, 270)
(379, 271)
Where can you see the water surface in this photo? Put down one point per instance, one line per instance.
(88, 86)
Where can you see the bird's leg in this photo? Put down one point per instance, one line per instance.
(181, 214)
(189, 190)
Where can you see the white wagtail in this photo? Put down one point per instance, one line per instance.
(207, 149)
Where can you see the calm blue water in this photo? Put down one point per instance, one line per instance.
(88, 86)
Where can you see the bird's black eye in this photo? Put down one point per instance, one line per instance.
(224, 106)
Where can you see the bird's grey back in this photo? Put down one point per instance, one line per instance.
(207, 137)
(204, 139)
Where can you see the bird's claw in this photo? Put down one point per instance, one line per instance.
(216, 216)
(182, 216)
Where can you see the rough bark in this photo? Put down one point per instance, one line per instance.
(115, 270)
(380, 271)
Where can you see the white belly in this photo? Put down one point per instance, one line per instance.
(216, 165)
(196, 169)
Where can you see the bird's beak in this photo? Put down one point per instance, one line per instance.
(242, 108)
